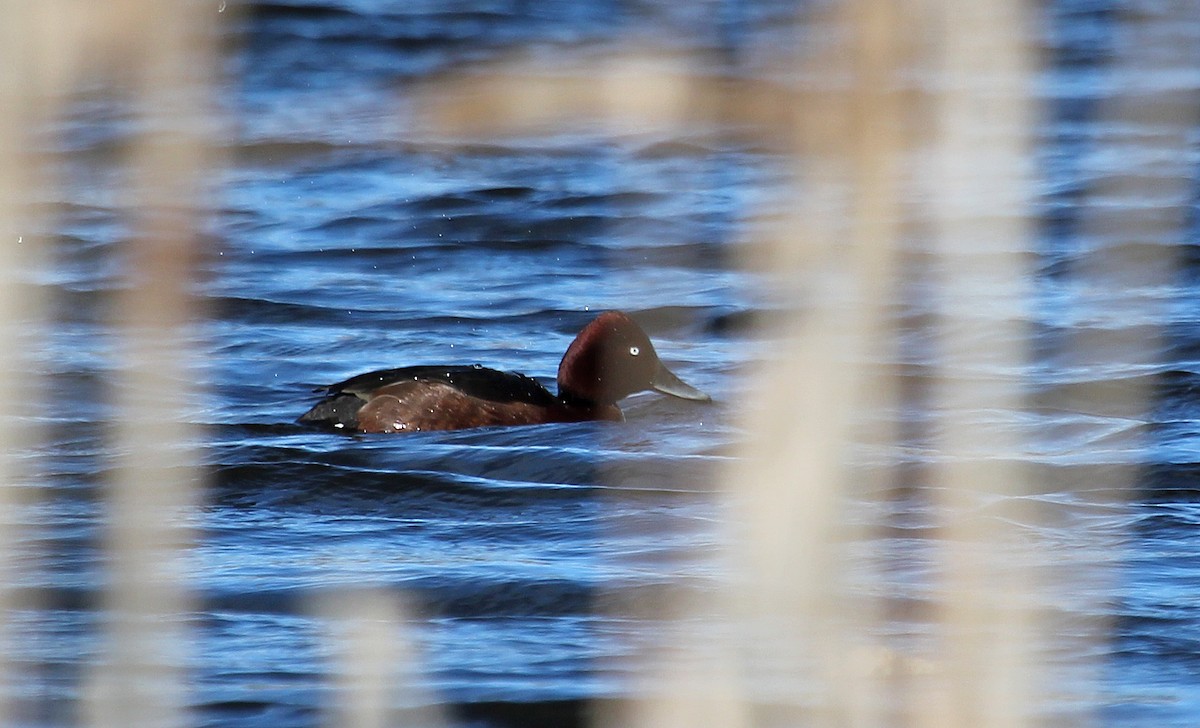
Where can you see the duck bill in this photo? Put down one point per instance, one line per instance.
(667, 383)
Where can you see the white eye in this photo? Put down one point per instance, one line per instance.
(633, 350)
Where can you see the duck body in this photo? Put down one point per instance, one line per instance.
(610, 359)
(412, 399)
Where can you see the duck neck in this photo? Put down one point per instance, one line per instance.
(573, 400)
(576, 408)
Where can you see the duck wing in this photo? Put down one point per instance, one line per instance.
(473, 381)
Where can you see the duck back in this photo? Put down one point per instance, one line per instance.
(343, 402)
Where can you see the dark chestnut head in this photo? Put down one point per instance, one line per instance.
(611, 359)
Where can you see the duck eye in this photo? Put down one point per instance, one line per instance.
(634, 350)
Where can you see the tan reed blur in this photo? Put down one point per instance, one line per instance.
(156, 61)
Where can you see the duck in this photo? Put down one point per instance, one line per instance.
(610, 359)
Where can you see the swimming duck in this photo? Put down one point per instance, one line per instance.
(609, 359)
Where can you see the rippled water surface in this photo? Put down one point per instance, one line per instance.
(342, 244)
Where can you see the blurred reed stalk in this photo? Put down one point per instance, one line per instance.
(157, 59)
(375, 666)
(22, 318)
(155, 482)
(980, 185)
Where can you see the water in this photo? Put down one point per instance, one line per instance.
(341, 245)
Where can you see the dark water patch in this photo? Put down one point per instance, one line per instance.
(386, 246)
(361, 469)
(739, 322)
(64, 606)
(691, 255)
(368, 324)
(1080, 33)
(1159, 638)
(272, 710)
(478, 227)
(480, 197)
(483, 597)
(1170, 482)
(349, 486)
(620, 199)
(261, 311)
(1167, 520)
(400, 41)
(303, 10)
(227, 606)
(289, 153)
(505, 192)
(514, 714)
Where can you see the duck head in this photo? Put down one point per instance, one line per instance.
(611, 359)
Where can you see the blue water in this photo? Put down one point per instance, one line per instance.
(339, 244)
